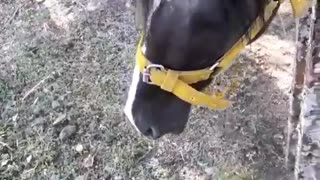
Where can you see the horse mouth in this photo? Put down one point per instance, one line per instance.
(178, 132)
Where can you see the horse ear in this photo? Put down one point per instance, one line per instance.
(141, 13)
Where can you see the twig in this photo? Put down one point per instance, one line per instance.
(144, 156)
(6, 145)
(35, 101)
(82, 6)
(35, 87)
(11, 18)
(282, 25)
(182, 156)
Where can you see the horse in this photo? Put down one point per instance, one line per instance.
(185, 36)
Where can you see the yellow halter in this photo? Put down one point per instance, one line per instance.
(178, 82)
(299, 6)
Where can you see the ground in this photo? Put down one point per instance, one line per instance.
(65, 68)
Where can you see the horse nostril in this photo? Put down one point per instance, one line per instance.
(153, 133)
(148, 132)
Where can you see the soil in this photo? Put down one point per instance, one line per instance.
(65, 68)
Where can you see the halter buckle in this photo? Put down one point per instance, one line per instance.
(147, 72)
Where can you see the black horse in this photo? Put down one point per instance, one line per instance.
(184, 35)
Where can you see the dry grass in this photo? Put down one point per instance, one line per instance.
(68, 63)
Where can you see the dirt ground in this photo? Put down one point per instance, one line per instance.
(65, 68)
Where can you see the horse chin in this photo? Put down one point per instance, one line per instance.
(179, 131)
(174, 133)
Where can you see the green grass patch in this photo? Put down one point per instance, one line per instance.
(228, 174)
(4, 91)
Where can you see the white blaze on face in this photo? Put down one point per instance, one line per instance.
(131, 96)
(132, 93)
(136, 78)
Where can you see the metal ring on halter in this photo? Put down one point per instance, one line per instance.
(147, 72)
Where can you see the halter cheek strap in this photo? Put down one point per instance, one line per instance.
(179, 82)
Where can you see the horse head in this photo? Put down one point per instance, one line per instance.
(182, 35)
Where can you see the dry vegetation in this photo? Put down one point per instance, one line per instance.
(65, 67)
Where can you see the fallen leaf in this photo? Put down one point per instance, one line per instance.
(60, 119)
(4, 162)
(27, 174)
(210, 170)
(82, 177)
(88, 162)
(79, 148)
(55, 104)
(29, 158)
(67, 132)
(14, 118)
